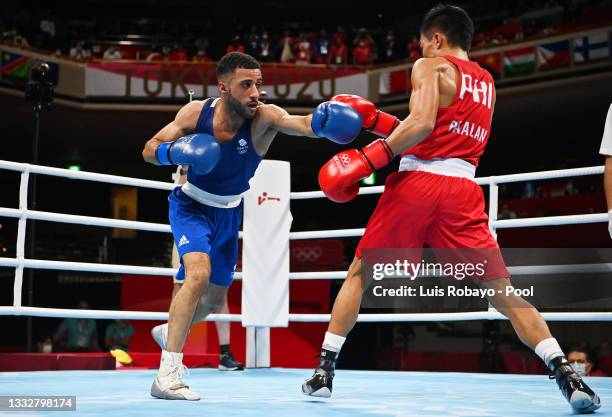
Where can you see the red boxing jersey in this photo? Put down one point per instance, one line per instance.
(462, 129)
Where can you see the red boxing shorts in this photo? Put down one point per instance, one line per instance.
(419, 208)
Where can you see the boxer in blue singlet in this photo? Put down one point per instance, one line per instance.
(222, 140)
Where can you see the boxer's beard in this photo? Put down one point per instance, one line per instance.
(237, 106)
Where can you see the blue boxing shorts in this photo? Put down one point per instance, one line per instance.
(197, 227)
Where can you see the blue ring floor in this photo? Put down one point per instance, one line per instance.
(276, 393)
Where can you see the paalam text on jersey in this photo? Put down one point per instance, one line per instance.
(465, 128)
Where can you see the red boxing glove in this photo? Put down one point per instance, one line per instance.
(339, 177)
(374, 120)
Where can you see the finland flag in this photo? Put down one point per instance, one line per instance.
(591, 47)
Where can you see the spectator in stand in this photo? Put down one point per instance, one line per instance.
(303, 50)
(202, 44)
(253, 45)
(178, 53)
(581, 361)
(96, 50)
(79, 53)
(519, 35)
(236, 45)
(253, 41)
(570, 188)
(338, 53)
(21, 42)
(363, 36)
(201, 56)
(413, 48)
(118, 335)
(47, 31)
(498, 39)
(531, 191)
(77, 335)
(45, 346)
(506, 213)
(266, 52)
(8, 34)
(340, 33)
(165, 51)
(154, 55)
(322, 47)
(112, 53)
(287, 45)
(362, 51)
(547, 31)
(391, 48)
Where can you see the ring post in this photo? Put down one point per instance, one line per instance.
(265, 258)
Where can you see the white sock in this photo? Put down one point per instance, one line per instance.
(169, 360)
(548, 349)
(333, 342)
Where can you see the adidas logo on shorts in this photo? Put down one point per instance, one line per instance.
(183, 241)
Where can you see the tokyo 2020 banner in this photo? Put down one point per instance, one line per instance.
(163, 80)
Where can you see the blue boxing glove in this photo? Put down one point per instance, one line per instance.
(200, 151)
(336, 121)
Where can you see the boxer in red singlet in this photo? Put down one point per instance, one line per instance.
(433, 199)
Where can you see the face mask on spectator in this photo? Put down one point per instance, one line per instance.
(580, 368)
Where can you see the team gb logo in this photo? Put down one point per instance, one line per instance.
(242, 146)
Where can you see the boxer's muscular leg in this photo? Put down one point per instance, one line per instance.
(176, 289)
(346, 307)
(343, 318)
(203, 309)
(168, 383)
(184, 303)
(223, 327)
(528, 323)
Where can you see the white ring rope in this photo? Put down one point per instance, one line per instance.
(150, 270)
(307, 318)
(86, 267)
(495, 179)
(84, 175)
(23, 214)
(552, 220)
(84, 220)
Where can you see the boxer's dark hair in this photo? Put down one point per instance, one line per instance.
(452, 21)
(234, 60)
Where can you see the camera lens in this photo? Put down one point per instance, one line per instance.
(41, 72)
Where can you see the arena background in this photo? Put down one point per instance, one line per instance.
(543, 120)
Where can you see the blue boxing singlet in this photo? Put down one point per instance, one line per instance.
(235, 168)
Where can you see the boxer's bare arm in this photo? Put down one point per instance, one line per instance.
(272, 119)
(424, 104)
(183, 124)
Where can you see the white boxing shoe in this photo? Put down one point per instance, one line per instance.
(169, 383)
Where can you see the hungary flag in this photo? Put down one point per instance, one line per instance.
(15, 65)
(519, 61)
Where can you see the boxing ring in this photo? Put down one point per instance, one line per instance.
(276, 391)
